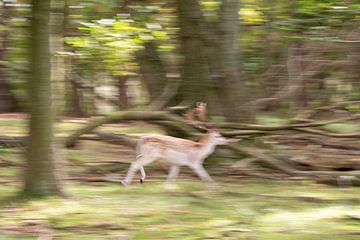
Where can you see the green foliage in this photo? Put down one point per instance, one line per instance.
(315, 19)
(210, 9)
(111, 43)
(103, 37)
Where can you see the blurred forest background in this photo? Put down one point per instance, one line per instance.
(81, 80)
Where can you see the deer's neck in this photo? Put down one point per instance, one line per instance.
(207, 147)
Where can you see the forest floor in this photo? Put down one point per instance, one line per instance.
(96, 206)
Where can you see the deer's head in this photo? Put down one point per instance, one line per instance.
(213, 133)
(218, 139)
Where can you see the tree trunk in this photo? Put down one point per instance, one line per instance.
(76, 99)
(152, 70)
(40, 177)
(7, 100)
(122, 90)
(195, 84)
(353, 55)
(298, 100)
(57, 21)
(231, 90)
(73, 94)
(124, 116)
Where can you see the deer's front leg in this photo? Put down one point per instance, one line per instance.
(173, 173)
(201, 172)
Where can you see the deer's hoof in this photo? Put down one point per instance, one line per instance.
(214, 186)
(124, 183)
(171, 187)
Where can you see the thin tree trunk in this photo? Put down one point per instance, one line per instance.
(231, 90)
(7, 102)
(122, 91)
(298, 100)
(57, 62)
(353, 56)
(76, 99)
(40, 177)
(152, 70)
(7, 99)
(73, 94)
(195, 84)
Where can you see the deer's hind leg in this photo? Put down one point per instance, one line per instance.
(143, 174)
(138, 165)
(134, 167)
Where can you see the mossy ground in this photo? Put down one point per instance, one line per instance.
(241, 208)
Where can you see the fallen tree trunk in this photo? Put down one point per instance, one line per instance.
(14, 141)
(150, 116)
(179, 127)
(309, 113)
(120, 139)
(329, 134)
(267, 159)
(277, 165)
(176, 126)
(176, 129)
(255, 133)
(334, 145)
(286, 127)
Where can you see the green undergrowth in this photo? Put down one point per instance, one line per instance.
(189, 210)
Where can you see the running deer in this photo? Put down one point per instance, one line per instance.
(178, 152)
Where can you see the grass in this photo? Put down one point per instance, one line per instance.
(240, 209)
(245, 209)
